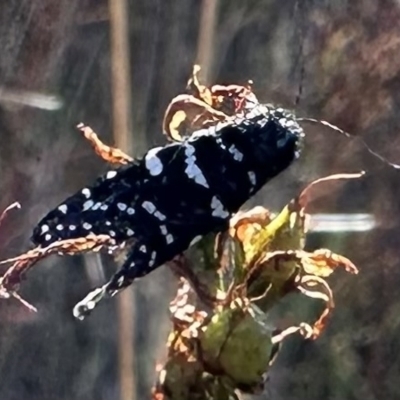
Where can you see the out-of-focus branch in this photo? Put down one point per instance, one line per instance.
(205, 45)
(122, 130)
(120, 74)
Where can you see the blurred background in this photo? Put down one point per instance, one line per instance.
(115, 65)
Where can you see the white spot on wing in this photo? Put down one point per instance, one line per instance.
(96, 206)
(252, 177)
(149, 206)
(143, 248)
(47, 237)
(189, 150)
(160, 216)
(169, 239)
(259, 109)
(104, 207)
(218, 208)
(153, 163)
(130, 232)
(153, 257)
(164, 230)
(45, 228)
(86, 192)
(87, 226)
(72, 227)
(195, 172)
(221, 143)
(192, 170)
(111, 174)
(130, 211)
(222, 125)
(59, 227)
(237, 155)
(63, 208)
(283, 121)
(202, 132)
(122, 206)
(88, 204)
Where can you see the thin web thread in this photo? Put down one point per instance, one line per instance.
(349, 135)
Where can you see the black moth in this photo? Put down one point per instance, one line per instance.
(165, 202)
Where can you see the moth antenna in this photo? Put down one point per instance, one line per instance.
(349, 135)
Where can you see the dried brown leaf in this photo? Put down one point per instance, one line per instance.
(317, 288)
(197, 89)
(245, 225)
(21, 264)
(323, 262)
(233, 99)
(202, 107)
(186, 113)
(9, 208)
(230, 99)
(304, 196)
(303, 329)
(109, 154)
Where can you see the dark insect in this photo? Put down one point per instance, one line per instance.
(162, 204)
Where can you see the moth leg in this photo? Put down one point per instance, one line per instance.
(140, 261)
(109, 154)
(85, 306)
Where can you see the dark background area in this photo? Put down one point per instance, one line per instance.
(341, 58)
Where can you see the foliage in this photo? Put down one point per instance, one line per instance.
(221, 341)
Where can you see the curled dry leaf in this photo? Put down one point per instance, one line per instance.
(230, 99)
(233, 99)
(317, 288)
(202, 107)
(186, 114)
(197, 89)
(260, 236)
(183, 372)
(304, 195)
(268, 270)
(21, 264)
(260, 232)
(303, 329)
(8, 209)
(181, 268)
(276, 263)
(323, 262)
(185, 315)
(109, 154)
(4, 293)
(244, 225)
(307, 277)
